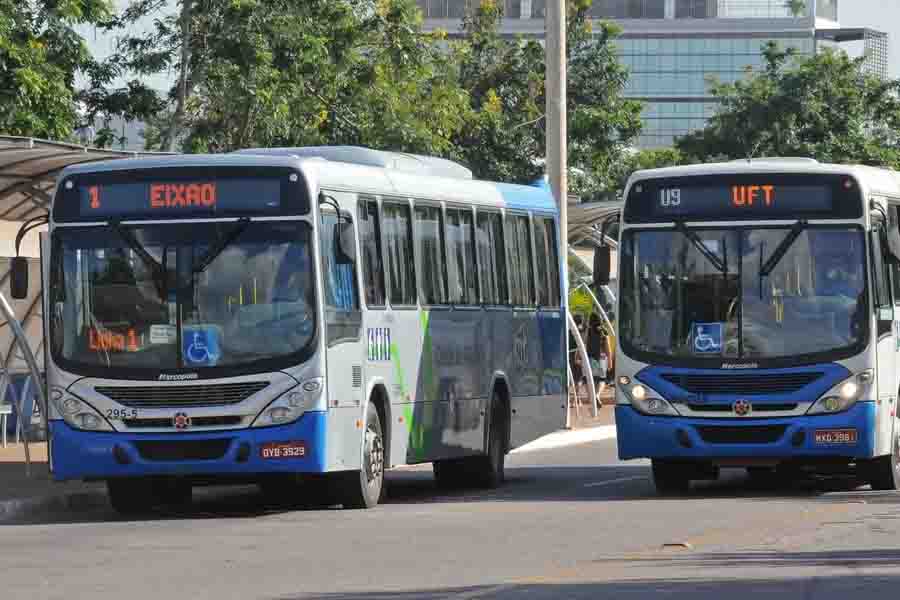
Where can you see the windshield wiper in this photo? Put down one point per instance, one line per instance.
(222, 243)
(158, 270)
(782, 249)
(701, 247)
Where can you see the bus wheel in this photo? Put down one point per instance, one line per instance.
(489, 469)
(884, 471)
(363, 488)
(131, 497)
(670, 478)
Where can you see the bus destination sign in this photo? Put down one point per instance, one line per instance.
(762, 199)
(179, 198)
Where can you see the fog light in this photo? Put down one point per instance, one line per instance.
(832, 404)
(294, 399)
(654, 405)
(279, 414)
(71, 405)
(87, 421)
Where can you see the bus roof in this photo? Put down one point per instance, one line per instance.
(347, 175)
(874, 179)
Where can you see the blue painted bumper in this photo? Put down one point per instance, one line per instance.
(641, 436)
(88, 455)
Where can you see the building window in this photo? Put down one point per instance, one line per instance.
(696, 9)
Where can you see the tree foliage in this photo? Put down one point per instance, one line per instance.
(40, 55)
(826, 107)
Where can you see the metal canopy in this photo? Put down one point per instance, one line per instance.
(29, 168)
(585, 219)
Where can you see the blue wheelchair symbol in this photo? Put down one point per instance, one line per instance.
(708, 338)
(201, 346)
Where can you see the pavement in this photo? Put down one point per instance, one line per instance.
(571, 522)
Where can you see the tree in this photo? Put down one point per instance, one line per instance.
(505, 136)
(40, 56)
(653, 158)
(797, 7)
(281, 72)
(826, 107)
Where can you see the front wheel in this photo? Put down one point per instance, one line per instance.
(884, 471)
(364, 488)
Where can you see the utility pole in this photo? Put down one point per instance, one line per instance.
(555, 38)
(555, 49)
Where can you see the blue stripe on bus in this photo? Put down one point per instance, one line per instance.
(525, 197)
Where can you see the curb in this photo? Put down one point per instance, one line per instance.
(22, 509)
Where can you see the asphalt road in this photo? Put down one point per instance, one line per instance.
(571, 523)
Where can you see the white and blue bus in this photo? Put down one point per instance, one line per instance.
(756, 321)
(274, 316)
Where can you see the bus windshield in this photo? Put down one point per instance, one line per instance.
(743, 293)
(192, 296)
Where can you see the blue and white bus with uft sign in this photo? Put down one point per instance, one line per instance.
(294, 316)
(756, 321)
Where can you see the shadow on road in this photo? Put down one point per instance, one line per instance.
(542, 484)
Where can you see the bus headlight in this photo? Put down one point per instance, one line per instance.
(291, 405)
(77, 413)
(646, 400)
(844, 395)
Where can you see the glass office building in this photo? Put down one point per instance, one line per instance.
(676, 48)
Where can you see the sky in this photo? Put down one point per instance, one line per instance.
(883, 15)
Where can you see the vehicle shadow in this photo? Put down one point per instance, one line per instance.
(544, 484)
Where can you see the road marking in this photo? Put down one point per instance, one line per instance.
(613, 481)
(561, 439)
(472, 594)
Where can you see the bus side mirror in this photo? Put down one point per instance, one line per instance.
(345, 249)
(602, 265)
(18, 278)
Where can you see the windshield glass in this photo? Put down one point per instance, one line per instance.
(743, 293)
(184, 296)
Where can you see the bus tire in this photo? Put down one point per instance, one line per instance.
(131, 497)
(669, 478)
(364, 488)
(884, 471)
(489, 470)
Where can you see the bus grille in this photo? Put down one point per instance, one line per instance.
(226, 421)
(168, 451)
(187, 395)
(765, 434)
(747, 385)
(727, 408)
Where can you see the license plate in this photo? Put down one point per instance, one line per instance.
(835, 436)
(273, 450)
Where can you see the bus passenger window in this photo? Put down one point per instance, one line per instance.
(398, 234)
(491, 258)
(462, 267)
(430, 255)
(371, 255)
(541, 259)
(553, 263)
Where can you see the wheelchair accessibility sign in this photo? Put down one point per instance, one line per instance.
(201, 346)
(707, 338)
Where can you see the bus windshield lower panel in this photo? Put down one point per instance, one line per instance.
(705, 294)
(193, 296)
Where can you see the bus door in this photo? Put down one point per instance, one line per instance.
(887, 340)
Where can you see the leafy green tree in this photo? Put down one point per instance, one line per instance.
(826, 107)
(504, 138)
(40, 55)
(282, 72)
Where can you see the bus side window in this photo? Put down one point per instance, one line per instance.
(880, 273)
(541, 259)
(518, 251)
(342, 315)
(430, 255)
(491, 259)
(399, 250)
(370, 248)
(895, 267)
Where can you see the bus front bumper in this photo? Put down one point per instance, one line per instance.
(641, 436)
(79, 454)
